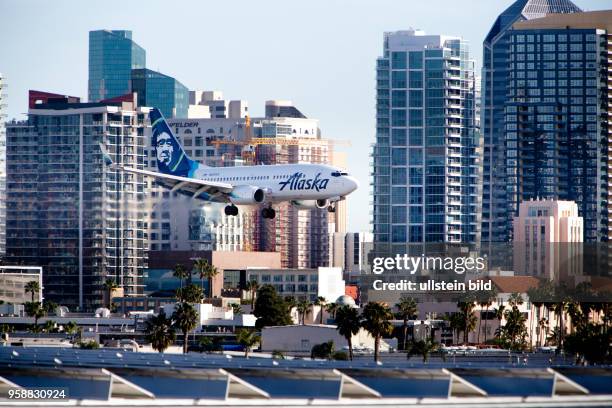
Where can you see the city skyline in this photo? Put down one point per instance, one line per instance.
(247, 70)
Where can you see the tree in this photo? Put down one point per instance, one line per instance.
(49, 326)
(499, 314)
(159, 331)
(424, 348)
(185, 318)
(456, 324)
(302, 308)
(348, 324)
(543, 332)
(191, 294)
(321, 303)
(200, 265)
(514, 331)
(32, 287)
(35, 310)
(252, 287)
(377, 318)
(270, 308)
(206, 270)
(247, 339)
(331, 308)
(323, 350)
(49, 306)
(180, 273)
(110, 285)
(591, 341)
(466, 309)
(485, 299)
(406, 310)
(71, 328)
(236, 309)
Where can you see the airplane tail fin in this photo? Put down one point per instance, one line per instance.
(171, 158)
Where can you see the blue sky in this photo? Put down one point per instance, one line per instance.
(319, 53)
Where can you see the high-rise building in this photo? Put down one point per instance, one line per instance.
(112, 57)
(495, 227)
(427, 153)
(2, 167)
(557, 116)
(161, 91)
(545, 236)
(69, 212)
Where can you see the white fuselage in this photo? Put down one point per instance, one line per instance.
(284, 182)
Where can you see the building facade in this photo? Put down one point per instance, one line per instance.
(112, 57)
(547, 235)
(13, 281)
(557, 115)
(69, 212)
(427, 153)
(2, 167)
(161, 91)
(495, 227)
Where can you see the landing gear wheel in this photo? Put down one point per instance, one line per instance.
(268, 213)
(331, 209)
(231, 210)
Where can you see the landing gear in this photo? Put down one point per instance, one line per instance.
(268, 212)
(331, 209)
(231, 210)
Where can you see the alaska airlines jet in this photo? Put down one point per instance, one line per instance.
(303, 185)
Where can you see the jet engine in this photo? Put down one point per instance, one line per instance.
(246, 195)
(310, 204)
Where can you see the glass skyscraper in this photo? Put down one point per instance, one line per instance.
(495, 227)
(161, 91)
(426, 175)
(67, 211)
(112, 56)
(556, 117)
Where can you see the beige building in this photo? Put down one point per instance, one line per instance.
(13, 280)
(547, 239)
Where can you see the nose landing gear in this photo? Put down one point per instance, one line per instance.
(268, 212)
(231, 210)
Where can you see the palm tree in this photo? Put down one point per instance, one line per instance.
(180, 273)
(71, 328)
(302, 308)
(515, 299)
(424, 348)
(406, 310)
(209, 272)
(377, 318)
(110, 285)
(49, 326)
(466, 308)
(159, 331)
(321, 303)
(247, 339)
(185, 318)
(252, 287)
(35, 310)
(33, 287)
(348, 324)
(200, 265)
(331, 308)
(456, 325)
(499, 314)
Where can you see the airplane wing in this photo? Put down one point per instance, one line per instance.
(203, 189)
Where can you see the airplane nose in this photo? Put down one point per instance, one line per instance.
(352, 183)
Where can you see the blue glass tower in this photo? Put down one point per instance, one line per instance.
(112, 56)
(495, 227)
(161, 91)
(427, 153)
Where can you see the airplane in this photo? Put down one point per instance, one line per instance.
(305, 186)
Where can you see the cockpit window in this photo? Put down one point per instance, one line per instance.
(339, 173)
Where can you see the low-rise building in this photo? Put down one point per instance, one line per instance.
(301, 338)
(13, 281)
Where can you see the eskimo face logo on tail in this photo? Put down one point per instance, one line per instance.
(298, 181)
(164, 148)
